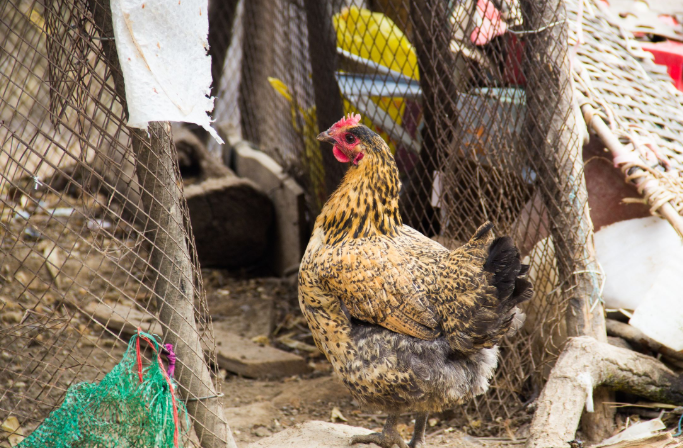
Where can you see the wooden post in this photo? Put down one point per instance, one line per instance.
(432, 34)
(258, 50)
(173, 278)
(322, 47)
(221, 24)
(551, 134)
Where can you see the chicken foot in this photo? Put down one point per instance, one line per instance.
(387, 438)
(418, 440)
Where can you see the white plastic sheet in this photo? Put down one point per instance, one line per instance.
(162, 47)
(643, 263)
(632, 254)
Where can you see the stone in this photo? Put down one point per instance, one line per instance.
(313, 434)
(122, 318)
(242, 356)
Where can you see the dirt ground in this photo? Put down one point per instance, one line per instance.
(53, 266)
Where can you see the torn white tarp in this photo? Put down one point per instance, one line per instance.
(162, 48)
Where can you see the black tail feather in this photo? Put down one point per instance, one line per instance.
(508, 271)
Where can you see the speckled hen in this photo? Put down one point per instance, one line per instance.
(408, 325)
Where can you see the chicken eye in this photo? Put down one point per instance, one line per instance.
(349, 138)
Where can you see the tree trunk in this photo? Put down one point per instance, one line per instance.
(173, 280)
(551, 131)
(585, 364)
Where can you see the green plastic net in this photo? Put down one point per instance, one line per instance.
(131, 407)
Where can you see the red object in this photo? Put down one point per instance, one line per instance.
(513, 73)
(166, 377)
(139, 358)
(669, 53)
(492, 24)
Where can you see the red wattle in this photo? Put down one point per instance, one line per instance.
(339, 155)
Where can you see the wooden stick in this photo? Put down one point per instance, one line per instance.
(635, 336)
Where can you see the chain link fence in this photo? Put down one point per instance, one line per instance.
(475, 100)
(94, 231)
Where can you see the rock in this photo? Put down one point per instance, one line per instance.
(231, 220)
(240, 355)
(313, 434)
(262, 432)
(291, 234)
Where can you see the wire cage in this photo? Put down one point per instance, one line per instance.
(475, 99)
(94, 231)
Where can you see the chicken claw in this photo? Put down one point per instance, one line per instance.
(387, 438)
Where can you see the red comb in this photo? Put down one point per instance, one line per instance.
(349, 120)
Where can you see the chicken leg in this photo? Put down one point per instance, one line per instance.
(387, 438)
(418, 440)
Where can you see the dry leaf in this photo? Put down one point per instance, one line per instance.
(261, 339)
(21, 277)
(337, 415)
(55, 261)
(11, 425)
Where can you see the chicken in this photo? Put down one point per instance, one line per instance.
(408, 325)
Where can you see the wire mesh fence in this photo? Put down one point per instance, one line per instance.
(475, 100)
(474, 97)
(94, 231)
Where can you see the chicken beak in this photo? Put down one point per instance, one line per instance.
(326, 137)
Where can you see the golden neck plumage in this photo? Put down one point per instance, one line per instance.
(366, 202)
